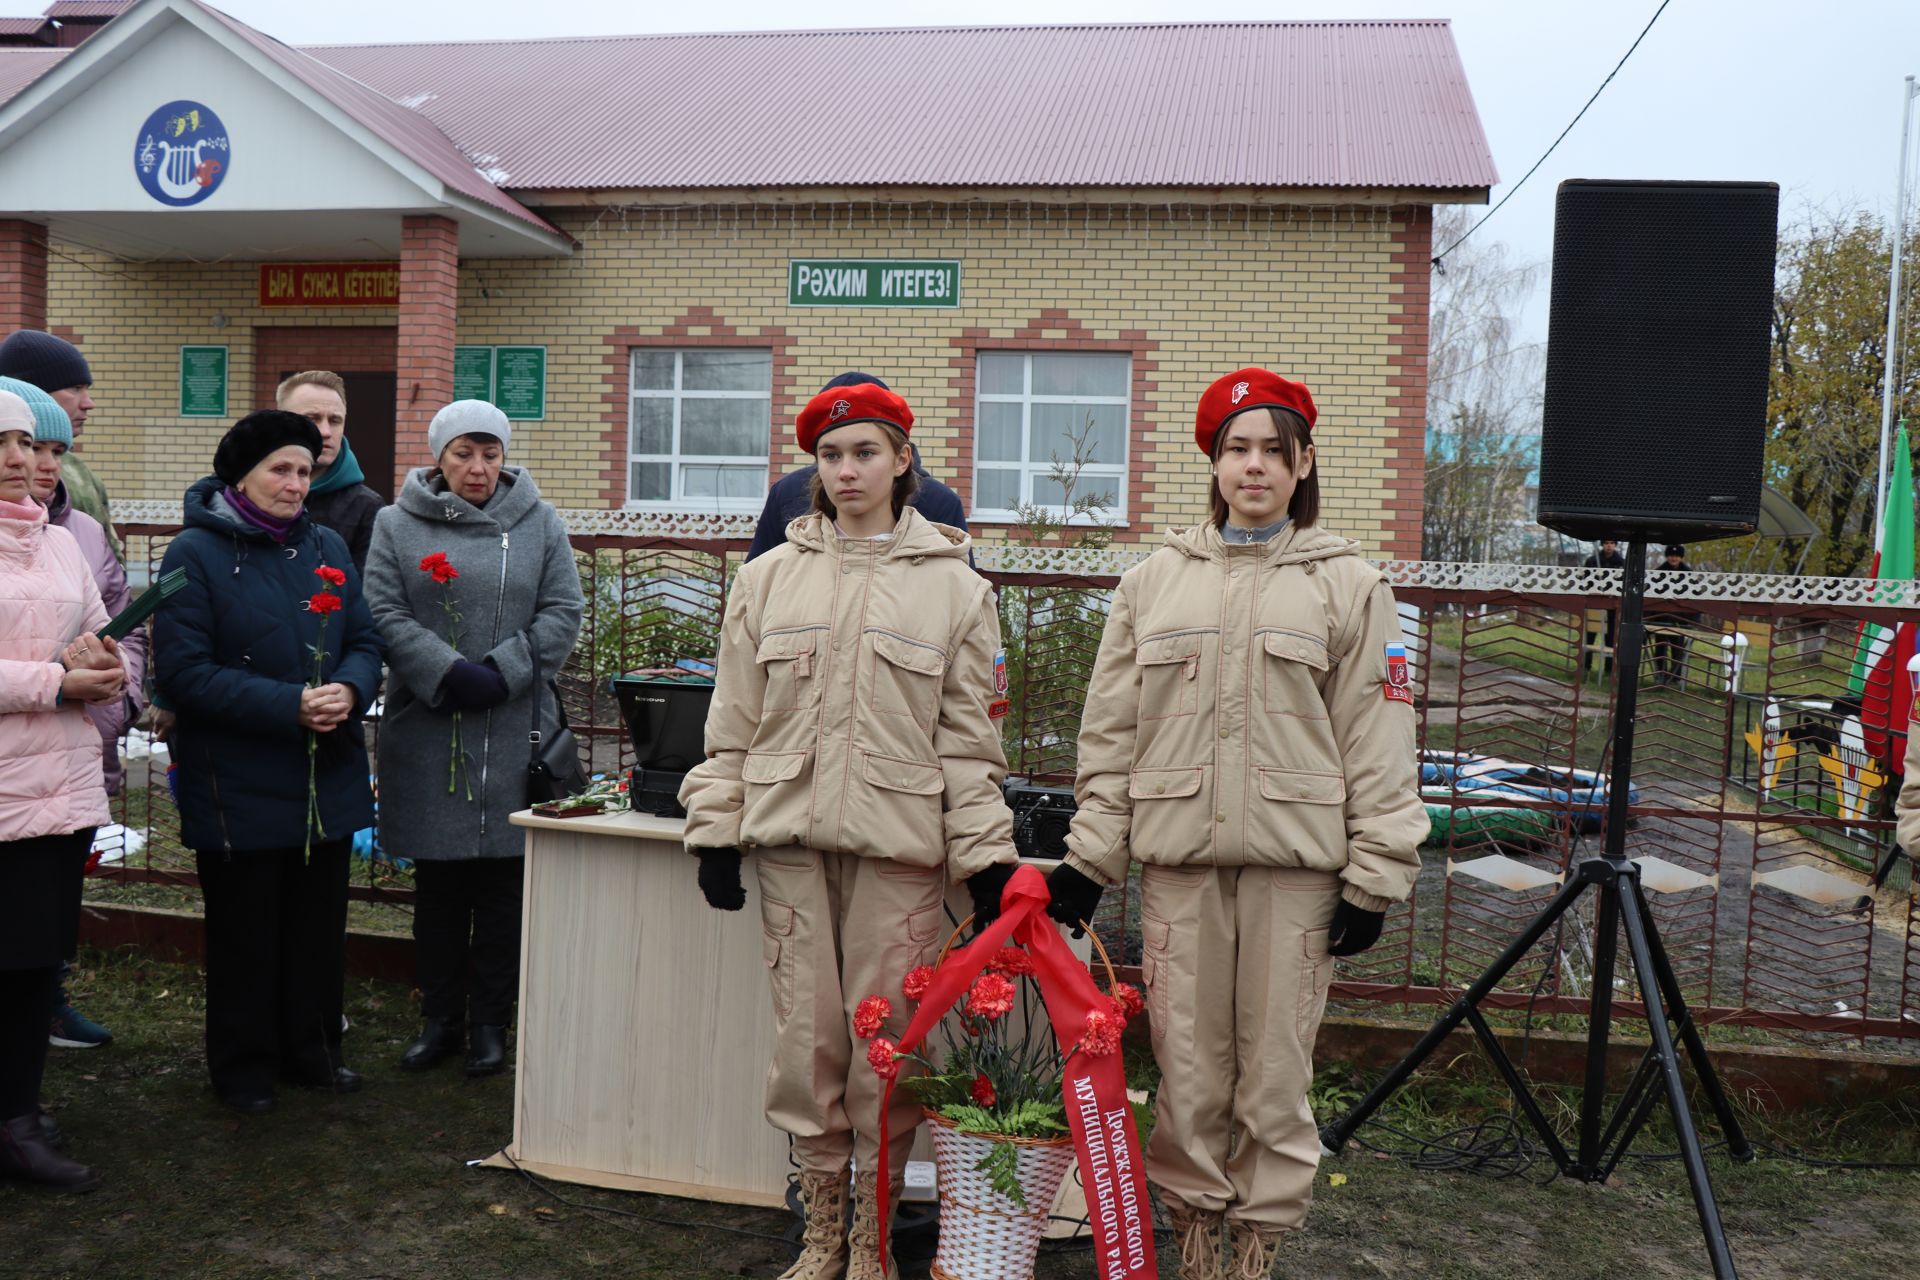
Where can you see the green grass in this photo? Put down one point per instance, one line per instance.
(376, 1185)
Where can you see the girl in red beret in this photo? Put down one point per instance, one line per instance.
(853, 748)
(1249, 738)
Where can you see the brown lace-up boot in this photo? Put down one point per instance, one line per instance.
(823, 1256)
(1254, 1250)
(1196, 1237)
(864, 1240)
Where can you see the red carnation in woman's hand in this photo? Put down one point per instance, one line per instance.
(1127, 1000)
(331, 576)
(914, 985)
(870, 1015)
(323, 603)
(437, 567)
(1102, 1035)
(991, 997)
(880, 1058)
(982, 1091)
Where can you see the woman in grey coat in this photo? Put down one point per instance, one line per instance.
(462, 645)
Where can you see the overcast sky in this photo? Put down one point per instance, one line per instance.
(1800, 92)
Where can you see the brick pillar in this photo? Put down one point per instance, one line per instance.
(429, 308)
(23, 275)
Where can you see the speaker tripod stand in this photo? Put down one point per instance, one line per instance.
(1603, 1140)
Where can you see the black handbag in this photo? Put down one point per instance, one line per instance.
(554, 771)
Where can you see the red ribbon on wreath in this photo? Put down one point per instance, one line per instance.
(1094, 1086)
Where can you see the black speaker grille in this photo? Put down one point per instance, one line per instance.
(1657, 357)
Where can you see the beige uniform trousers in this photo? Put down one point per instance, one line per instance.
(1237, 969)
(839, 928)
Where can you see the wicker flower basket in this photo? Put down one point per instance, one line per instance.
(983, 1234)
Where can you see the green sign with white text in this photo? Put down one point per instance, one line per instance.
(872, 282)
(514, 378)
(203, 382)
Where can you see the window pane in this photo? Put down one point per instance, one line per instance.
(731, 427)
(1002, 374)
(1104, 444)
(652, 369)
(1048, 493)
(649, 482)
(996, 490)
(999, 432)
(1079, 375)
(652, 425)
(704, 480)
(726, 370)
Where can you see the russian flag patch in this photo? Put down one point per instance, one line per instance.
(1399, 685)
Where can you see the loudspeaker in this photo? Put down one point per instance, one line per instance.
(1657, 356)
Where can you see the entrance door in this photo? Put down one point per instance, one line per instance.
(370, 425)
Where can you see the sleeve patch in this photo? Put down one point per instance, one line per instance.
(998, 709)
(1399, 685)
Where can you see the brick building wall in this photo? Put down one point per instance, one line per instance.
(1334, 297)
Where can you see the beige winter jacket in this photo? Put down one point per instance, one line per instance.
(1907, 806)
(851, 707)
(1237, 717)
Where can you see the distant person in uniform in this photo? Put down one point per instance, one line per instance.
(790, 498)
(340, 499)
(1607, 557)
(1664, 625)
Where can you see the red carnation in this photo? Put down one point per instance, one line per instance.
(1127, 1000)
(915, 984)
(1102, 1035)
(880, 1058)
(331, 576)
(870, 1015)
(991, 997)
(1011, 961)
(324, 602)
(982, 1091)
(437, 567)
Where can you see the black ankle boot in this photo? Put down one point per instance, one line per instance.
(25, 1155)
(486, 1050)
(438, 1037)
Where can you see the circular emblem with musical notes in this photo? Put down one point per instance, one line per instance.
(182, 154)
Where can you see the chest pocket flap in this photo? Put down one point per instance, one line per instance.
(911, 654)
(1296, 647)
(890, 773)
(767, 767)
(1302, 787)
(1160, 650)
(1163, 784)
(785, 645)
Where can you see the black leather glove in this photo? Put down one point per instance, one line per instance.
(985, 886)
(1074, 897)
(720, 879)
(1353, 929)
(472, 686)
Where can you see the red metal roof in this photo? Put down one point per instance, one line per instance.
(1278, 104)
(20, 67)
(21, 26)
(411, 133)
(67, 10)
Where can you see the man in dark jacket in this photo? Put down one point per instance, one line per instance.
(1607, 557)
(1664, 625)
(790, 497)
(339, 499)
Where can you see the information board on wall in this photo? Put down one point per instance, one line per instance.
(513, 378)
(330, 284)
(873, 282)
(203, 382)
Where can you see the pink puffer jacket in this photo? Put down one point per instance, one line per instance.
(50, 781)
(110, 718)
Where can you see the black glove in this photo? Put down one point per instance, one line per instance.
(1074, 897)
(985, 886)
(1353, 929)
(472, 686)
(720, 879)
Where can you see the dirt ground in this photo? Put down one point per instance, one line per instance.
(377, 1185)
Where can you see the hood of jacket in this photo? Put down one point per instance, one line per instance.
(913, 535)
(206, 507)
(1292, 545)
(516, 498)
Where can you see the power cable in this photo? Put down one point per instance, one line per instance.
(1437, 258)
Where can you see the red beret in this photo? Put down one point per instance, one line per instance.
(844, 406)
(1245, 389)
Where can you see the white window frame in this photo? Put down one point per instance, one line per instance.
(677, 501)
(1031, 468)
